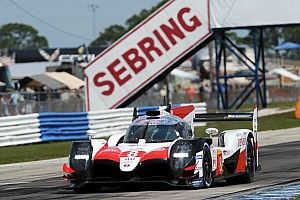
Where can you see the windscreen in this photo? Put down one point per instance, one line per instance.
(153, 133)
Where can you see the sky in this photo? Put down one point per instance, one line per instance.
(69, 23)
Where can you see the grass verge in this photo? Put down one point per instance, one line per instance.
(15, 154)
(248, 107)
(34, 152)
(272, 122)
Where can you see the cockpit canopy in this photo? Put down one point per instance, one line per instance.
(157, 129)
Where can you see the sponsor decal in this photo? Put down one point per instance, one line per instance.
(129, 163)
(199, 168)
(226, 153)
(198, 182)
(239, 116)
(110, 150)
(241, 142)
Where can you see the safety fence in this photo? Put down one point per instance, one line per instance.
(43, 127)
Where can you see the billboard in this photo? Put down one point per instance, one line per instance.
(146, 52)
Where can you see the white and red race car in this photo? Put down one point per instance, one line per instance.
(161, 147)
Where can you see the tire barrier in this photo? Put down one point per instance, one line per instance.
(44, 127)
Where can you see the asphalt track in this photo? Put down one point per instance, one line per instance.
(280, 165)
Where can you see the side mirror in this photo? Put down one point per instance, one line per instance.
(91, 133)
(212, 131)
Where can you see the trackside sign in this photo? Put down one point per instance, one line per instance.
(146, 52)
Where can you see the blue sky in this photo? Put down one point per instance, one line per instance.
(68, 23)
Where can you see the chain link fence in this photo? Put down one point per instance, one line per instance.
(74, 100)
(28, 102)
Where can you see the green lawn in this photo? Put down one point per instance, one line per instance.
(249, 107)
(33, 152)
(273, 122)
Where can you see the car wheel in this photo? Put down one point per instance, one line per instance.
(207, 167)
(248, 176)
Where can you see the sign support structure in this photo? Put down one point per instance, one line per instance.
(256, 67)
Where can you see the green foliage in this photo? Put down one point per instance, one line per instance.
(136, 19)
(20, 36)
(114, 32)
(297, 198)
(272, 36)
(291, 34)
(109, 36)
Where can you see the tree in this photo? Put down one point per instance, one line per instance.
(109, 36)
(291, 34)
(136, 19)
(21, 36)
(114, 32)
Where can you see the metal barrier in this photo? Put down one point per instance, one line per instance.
(21, 129)
(43, 127)
(63, 126)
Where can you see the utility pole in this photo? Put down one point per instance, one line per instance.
(93, 8)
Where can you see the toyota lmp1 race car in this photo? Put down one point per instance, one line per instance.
(161, 147)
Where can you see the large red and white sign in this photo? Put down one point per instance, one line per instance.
(146, 52)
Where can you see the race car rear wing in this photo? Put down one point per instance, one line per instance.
(223, 117)
(234, 116)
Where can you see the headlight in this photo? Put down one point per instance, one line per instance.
(181, 154)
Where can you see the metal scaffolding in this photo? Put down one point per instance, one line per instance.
(256, 67)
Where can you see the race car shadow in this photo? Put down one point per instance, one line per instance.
(127, 188)
(140, 187)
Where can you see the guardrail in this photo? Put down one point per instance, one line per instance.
(21, 129)
(43, 127)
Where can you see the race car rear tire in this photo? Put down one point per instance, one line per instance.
(207, 167)
(248, 176)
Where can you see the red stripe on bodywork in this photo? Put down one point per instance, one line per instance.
(192, 167)
(114, 154)
(241, 165)
(68, 169)
(161, 153)
(111, 153)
